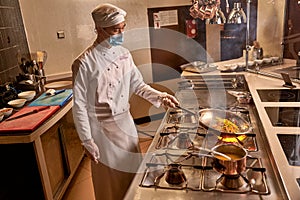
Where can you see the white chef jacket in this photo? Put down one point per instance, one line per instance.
(103, 80)
(106, 76)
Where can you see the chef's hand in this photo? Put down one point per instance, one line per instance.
(91, 150)
(168, 100)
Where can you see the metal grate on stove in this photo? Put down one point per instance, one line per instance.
(200, 175)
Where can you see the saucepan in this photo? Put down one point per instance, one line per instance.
(237, 163)
(225, 122)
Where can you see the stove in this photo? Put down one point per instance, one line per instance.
(284, 116)
(279, 95)
(179, 164)
(180, 149)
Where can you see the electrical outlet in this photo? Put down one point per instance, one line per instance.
(60, 34)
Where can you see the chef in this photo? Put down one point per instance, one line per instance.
(104, 77)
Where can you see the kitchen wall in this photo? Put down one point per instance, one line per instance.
(13, 42)
(43, 19)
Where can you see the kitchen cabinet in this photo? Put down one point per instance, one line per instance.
(41, 164)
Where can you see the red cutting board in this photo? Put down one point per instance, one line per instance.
(27, 123)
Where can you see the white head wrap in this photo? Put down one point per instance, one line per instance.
(106, 15)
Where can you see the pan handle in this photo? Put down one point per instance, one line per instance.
(215, 152)
(186, 110)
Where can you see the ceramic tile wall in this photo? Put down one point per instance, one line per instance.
(13, 43)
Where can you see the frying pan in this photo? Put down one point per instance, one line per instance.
(208, 118)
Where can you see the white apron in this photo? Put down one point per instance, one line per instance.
(117, 140)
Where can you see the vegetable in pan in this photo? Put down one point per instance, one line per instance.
(225, 125)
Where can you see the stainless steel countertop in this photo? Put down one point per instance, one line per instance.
(141, 193)
(286, 174)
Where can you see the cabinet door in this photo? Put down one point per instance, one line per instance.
(71, 142)
(52, 148)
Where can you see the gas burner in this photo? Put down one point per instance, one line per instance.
(237, 181)
(184, 141)
(252, 180)
(232, 140)
(171, 174)
(248, 141)
(180, 137)
(175, 175)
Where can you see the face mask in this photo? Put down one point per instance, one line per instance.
(116, 40)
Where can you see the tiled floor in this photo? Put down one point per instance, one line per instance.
(81, 186)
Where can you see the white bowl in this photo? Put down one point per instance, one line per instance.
(28, 95)
(6, 111)
(258, 61)
(267, 60)
(251, 63)
(275, 58)
(1, 116)
(17, 103)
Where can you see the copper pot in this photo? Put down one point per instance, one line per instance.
(236, 165)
